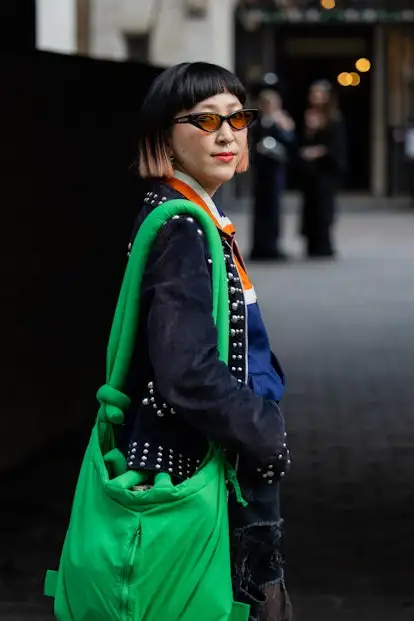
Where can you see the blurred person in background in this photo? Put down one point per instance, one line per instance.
(273, 138)
(322, 160)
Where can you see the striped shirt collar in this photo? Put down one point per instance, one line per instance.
(204, 199)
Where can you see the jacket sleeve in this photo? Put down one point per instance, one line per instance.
(182, 342)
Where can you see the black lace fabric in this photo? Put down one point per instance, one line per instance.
(277, 606)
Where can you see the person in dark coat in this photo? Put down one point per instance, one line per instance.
(193, 138)
(273, 138)
(322, 163)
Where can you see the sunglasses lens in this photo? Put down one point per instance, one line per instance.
(242, 119)
(208, 122)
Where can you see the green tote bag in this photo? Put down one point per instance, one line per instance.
(160, 554)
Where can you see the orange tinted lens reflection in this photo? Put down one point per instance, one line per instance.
(240, 120)
(209, 122)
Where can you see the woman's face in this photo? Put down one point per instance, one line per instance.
(269, 102)
(197, 152)
(318, 96)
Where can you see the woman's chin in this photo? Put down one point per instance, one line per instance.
(224, 173)
(215, 178)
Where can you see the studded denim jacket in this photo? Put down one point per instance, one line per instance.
(181, 394)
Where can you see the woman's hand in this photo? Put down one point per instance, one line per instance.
(313, 153)
(284, 121)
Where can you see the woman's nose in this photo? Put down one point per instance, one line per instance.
(225, 133)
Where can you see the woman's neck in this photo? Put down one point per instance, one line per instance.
(184, 176)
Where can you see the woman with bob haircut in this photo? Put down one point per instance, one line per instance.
(192, 139)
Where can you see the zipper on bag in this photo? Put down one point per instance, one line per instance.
(127, 575)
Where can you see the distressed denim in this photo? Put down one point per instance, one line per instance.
(257, 564)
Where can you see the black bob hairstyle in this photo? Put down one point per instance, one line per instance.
(178, 88)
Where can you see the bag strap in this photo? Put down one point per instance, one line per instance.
(125, 322)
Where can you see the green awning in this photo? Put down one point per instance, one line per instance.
(265, 15)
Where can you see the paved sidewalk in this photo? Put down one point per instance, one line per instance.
(344, 331)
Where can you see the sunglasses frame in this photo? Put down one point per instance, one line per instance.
(192, 119)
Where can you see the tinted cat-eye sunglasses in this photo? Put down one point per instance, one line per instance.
(211, 122)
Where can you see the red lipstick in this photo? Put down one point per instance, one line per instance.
(224, 157)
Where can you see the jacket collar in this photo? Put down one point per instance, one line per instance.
(193, 191)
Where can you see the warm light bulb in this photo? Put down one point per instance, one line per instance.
(328, 4)
(355, 79)
(344, 79)
(363, 65)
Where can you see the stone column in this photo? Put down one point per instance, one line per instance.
(179, 37)
(56, 28)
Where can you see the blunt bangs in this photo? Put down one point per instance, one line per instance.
(198, 81)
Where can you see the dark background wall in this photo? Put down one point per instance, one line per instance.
(18, 26)
(68, 196)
